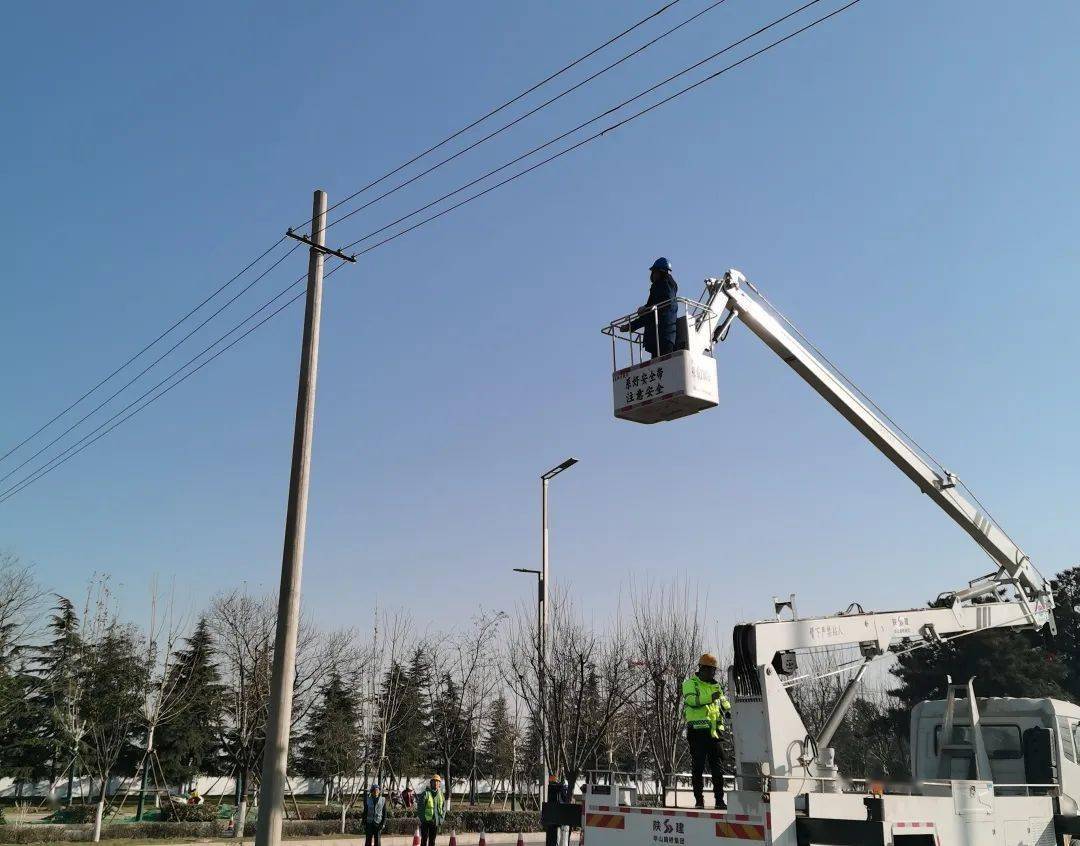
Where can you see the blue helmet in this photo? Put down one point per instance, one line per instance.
(661, 264)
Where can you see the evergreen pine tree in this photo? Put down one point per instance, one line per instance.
(189, 742)
(406, 741)
(330, 744)
(25, 749)
(497, 747)
(57, 668)
(1065, 645)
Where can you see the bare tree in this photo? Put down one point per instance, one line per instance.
(391, 637)
(243, 628)
(379, 673)
(667, 639)
(589, 679)
(167, 695)
(461, 678)
(114, 675)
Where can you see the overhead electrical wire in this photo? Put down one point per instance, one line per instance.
(134, 357)
(592, 137)
(625, 57)
(583, 124)
(498, 109)
(148, 367)
(63, 457)
(81, 444)
(659, 11)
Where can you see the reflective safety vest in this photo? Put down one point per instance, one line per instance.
(432, 807)
(699, 709)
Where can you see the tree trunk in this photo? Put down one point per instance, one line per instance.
(326, 792)
(140, 807)
(449, 785)
(99, 809)
(472, 778)
(241, 807)
(342, 814)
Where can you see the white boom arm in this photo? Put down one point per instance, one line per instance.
(768, 728)
(1015, 574)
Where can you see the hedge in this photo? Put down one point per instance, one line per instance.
(45, 833)
(73, 814)
(41, 833)
(462, 821)
(159, 830)
(310, 828)
(182, 812)
(330, 812)
(493, 822)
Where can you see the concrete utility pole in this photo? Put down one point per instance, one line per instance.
(279, 716)
(543, 634)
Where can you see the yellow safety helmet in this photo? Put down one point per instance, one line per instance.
(436, 777)
(708, 660)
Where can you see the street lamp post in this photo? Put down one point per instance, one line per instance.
(545, 479)
(539, 650)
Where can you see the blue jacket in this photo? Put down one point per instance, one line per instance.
(662, 289)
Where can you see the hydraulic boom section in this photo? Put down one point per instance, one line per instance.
(1016, 579)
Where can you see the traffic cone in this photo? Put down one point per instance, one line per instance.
(453, 837)
(416, 837)
(521, 840)
(483, 837)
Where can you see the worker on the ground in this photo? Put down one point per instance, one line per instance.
(656, 319)
(374, 816)
(431, 808)
(194, 798)
(557, 794)
(705, 705)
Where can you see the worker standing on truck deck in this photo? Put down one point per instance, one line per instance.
(431, 807)
(705, 704)
(656, 321)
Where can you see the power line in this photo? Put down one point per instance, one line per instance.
(382, 178)
(62, 457)
(83, 443)
(530, 113)
(134, 357)
(596, 135)
(148, 367)
(498, 109)
(582, 125)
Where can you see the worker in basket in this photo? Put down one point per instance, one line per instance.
(656, 319)
(704, 707)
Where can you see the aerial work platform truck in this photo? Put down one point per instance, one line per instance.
(985, 772)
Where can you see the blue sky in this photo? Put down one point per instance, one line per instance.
(902, 181)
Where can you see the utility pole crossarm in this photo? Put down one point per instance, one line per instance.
(1015, 570)
(319, 248)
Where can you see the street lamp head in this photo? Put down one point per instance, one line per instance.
(555, 471)
(526, 570)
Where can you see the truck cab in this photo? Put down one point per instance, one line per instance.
(1032, 744)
